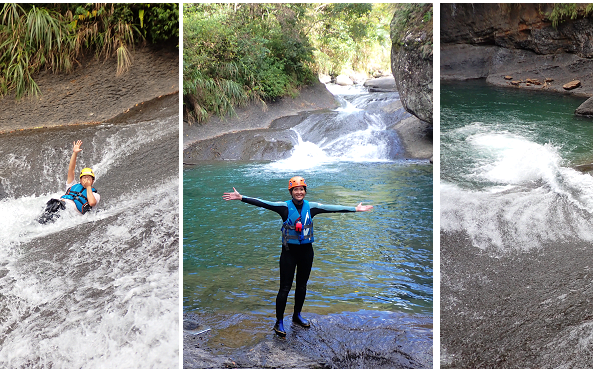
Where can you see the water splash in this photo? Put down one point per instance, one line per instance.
(526, 196)
(99, 290)
(355, 132)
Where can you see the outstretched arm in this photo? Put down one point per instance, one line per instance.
(318, 208)
(278, 207)
(232, 195)
(75, 150)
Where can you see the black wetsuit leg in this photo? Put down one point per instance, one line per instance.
(52, 210)
(299, 257)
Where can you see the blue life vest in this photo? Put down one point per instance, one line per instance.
(289, 234)
(77, 193)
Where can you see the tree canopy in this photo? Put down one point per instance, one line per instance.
(237, 53)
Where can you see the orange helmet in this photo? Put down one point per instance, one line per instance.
(296, 181)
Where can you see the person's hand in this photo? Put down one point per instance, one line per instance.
(76, 147)
(363, 208)
(86, 182)
(232, 195)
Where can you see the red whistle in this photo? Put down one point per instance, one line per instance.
(298, 227)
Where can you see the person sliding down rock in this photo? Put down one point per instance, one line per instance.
(297, 238)
(80, 197)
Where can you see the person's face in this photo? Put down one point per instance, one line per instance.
(298, 193)
(86, 180)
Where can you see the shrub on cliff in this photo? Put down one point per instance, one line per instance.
(51, 36)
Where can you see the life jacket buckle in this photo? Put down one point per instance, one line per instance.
(298, 226)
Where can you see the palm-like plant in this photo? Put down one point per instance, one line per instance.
(29, 40)
(100, 30)
(35, 37)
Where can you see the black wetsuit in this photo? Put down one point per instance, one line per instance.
(295, 255)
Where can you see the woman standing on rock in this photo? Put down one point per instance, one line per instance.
(297, 238)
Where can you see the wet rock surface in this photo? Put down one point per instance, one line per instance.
(92, 93)
(493, 63)
(496, 41)
(364, 339)
(315, 97)
(585, 109)
(515, 309)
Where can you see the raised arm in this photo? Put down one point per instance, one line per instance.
(71, 167)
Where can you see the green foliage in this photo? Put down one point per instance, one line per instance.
(350, 37)
(51, 36)
(276, 48)
(563, 11)
(236, 53)
(29, 39)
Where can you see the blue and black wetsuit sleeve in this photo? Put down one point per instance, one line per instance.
(318, 208)
(279, 207)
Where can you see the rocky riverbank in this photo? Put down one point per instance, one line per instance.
(92, 93)
(364, 339)
(257, 134)
(518, 46)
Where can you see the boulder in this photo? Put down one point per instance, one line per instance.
(572, 85)
(344, 80)
(412, 58)
(508, 77)
(325, 78)
(585, 109)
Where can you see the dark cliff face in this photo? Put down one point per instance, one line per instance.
(411, 58)
(517, 26)
(524, 46)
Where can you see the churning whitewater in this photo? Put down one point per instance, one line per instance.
(517, 194)
(98, 290)
(357, 131)
(516, 229)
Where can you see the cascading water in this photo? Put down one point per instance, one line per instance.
(376, 263)
(99, 290)
(357, 131)
(516, 228)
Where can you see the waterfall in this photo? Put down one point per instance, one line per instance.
(357, 131)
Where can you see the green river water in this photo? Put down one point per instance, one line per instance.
(378, 260)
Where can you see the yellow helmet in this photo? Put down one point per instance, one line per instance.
(296, 181)
(87, 172)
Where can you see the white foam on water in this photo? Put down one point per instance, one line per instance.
(103, 293)
(512, 159)
(528, 196)
(118, 147)
(366, 145)
(108, 300)
(517, 217)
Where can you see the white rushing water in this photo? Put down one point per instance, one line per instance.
(99, 290)
(354, 132)
(526, 195)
